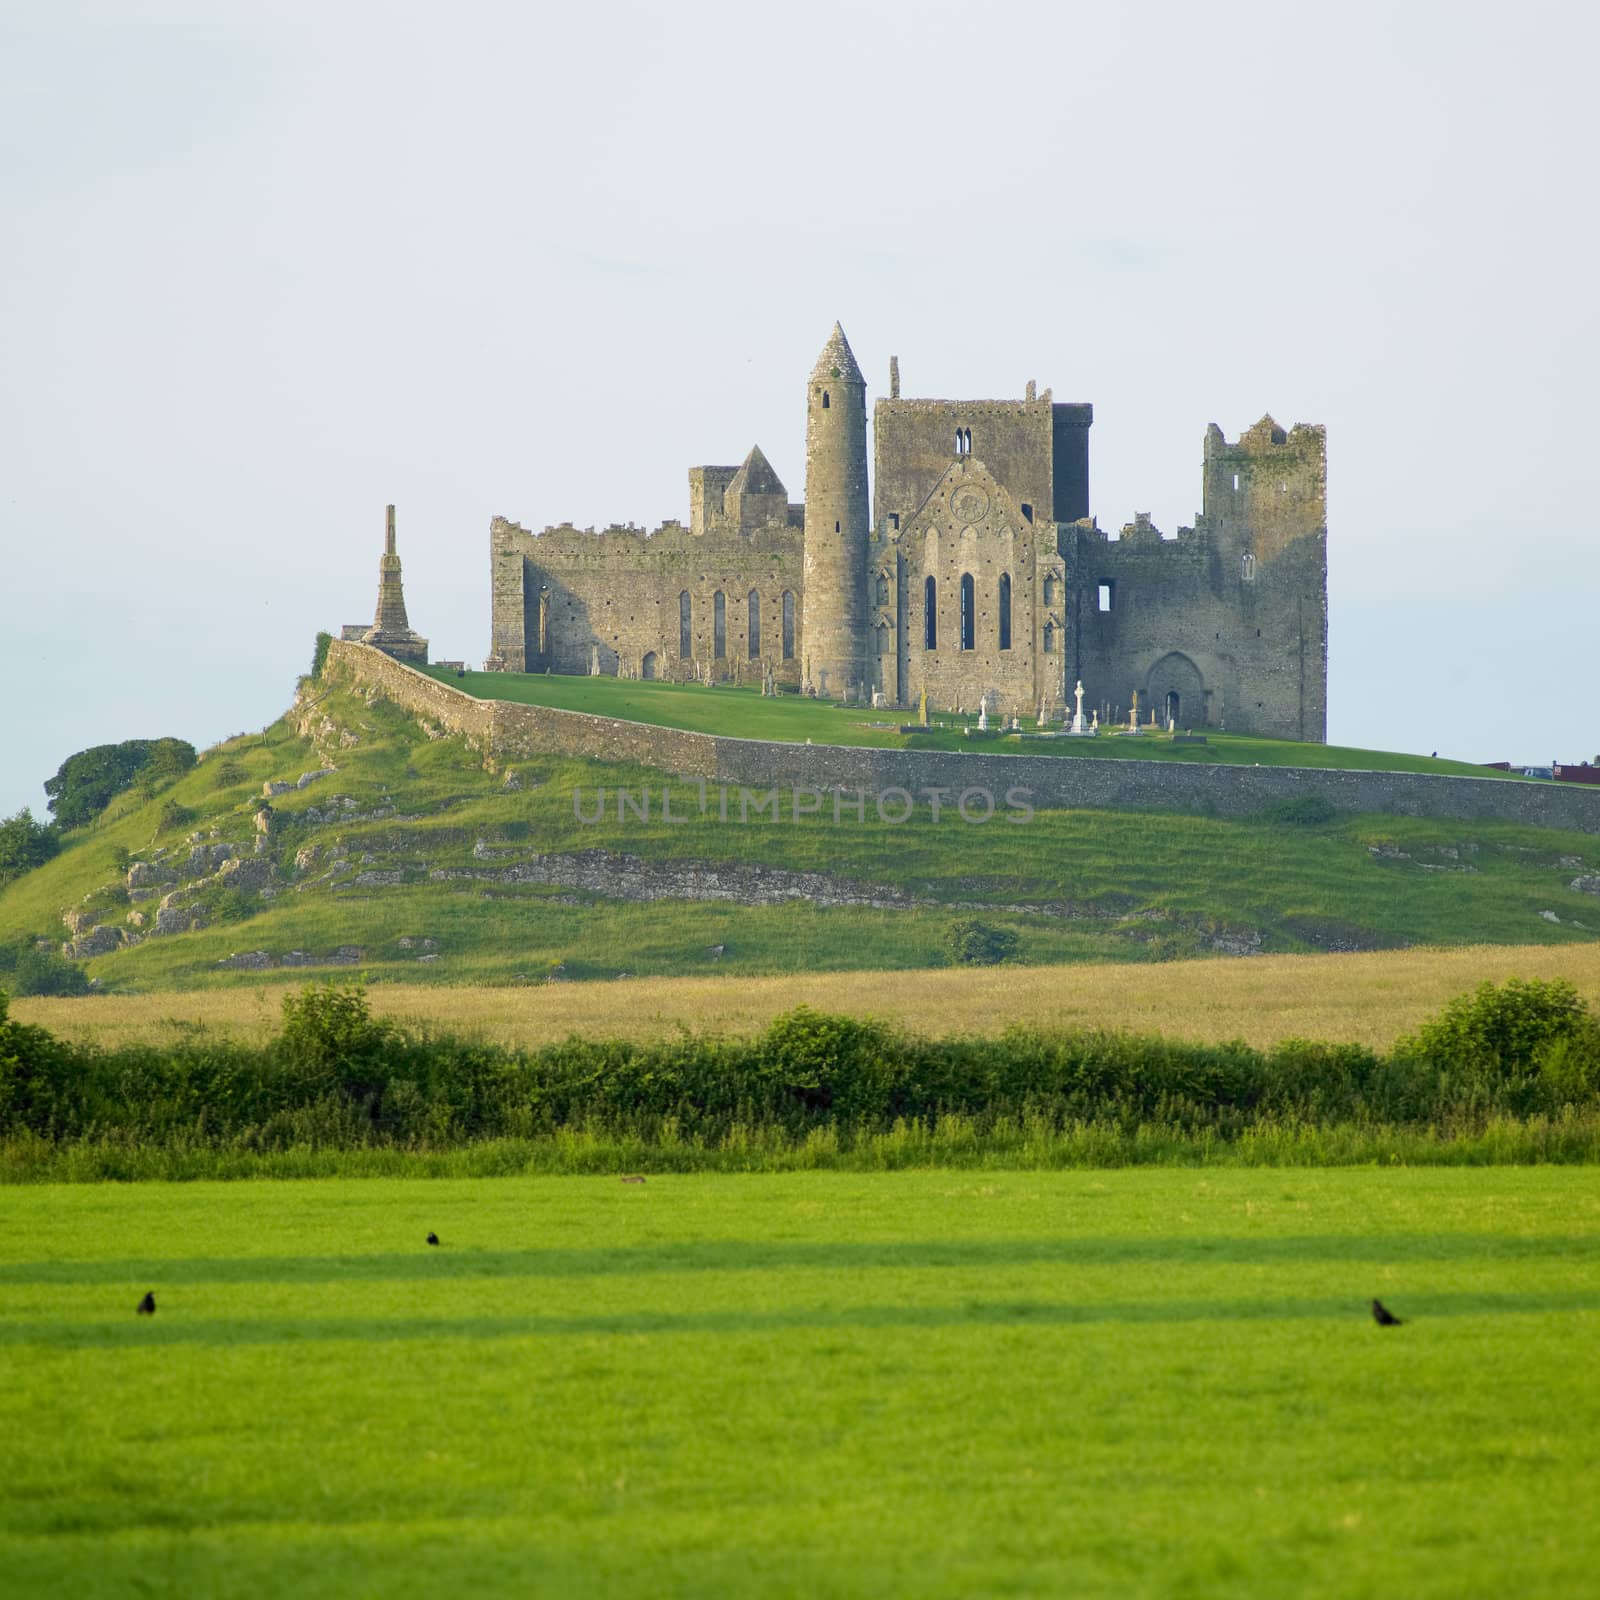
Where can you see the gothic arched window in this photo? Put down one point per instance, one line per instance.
(1005, 610)
(969, 623)
(930, 615)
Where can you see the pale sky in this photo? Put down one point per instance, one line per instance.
(266, 268)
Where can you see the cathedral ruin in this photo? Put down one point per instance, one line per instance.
(977, 573)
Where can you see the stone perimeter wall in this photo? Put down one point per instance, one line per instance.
(502, 729)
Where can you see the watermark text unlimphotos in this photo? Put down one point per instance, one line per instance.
(698, 798)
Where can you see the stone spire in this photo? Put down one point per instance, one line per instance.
(837, 360)
(391, 629)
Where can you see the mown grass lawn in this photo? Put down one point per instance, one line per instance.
(931, 1384)
(745, 713)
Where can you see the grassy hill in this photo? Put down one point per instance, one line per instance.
(410, 860)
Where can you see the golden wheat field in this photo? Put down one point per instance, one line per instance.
(1367, 999)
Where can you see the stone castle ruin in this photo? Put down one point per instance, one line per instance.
(976, 576)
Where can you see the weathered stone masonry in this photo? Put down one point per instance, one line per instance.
(977, 575)
(1066, 782)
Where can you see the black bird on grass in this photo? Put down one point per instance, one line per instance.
(147, 1306)
(433, 1238)
(1384, 1317)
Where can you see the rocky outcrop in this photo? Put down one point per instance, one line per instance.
(149, 875)
(206, 858)
(1589, 884)
(346, 955)
(178, 918)
(250, 874)
(99, 941)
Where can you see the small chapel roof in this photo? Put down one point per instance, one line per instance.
(756, 476)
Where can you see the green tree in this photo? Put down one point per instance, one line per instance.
(86, 783)
(25, 844)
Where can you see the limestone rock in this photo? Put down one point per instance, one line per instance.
(249, 874)
(311, 777)
(1589, 884)
(206, 858)
(145, 874)
(270, 789)
(100, 941)
(249, 961)
(178, 919)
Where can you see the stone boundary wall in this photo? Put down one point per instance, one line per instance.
(502, 729)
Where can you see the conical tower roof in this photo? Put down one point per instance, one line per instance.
(837, 360)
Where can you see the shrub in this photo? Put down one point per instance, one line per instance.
(45, 972)
(1569, 1065)
(1304, 811)
(233, 905)
(35, 1069)
(827, 1063)
(319, 654)
(330, 1039)
(172, 815)
(977, 944)
(1502, 1029)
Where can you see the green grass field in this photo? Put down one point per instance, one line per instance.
(935, 1384)
(744, 713)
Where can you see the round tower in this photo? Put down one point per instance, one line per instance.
(834, 620)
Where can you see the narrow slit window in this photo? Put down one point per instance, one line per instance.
(969, 622)
(754, 629)
(930, 615)
(1005, 610)
(788, 625)
(719, 625)
(685, 626)
(1105, 594)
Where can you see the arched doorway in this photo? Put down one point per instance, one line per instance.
(1175, 685)
(647, 667)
